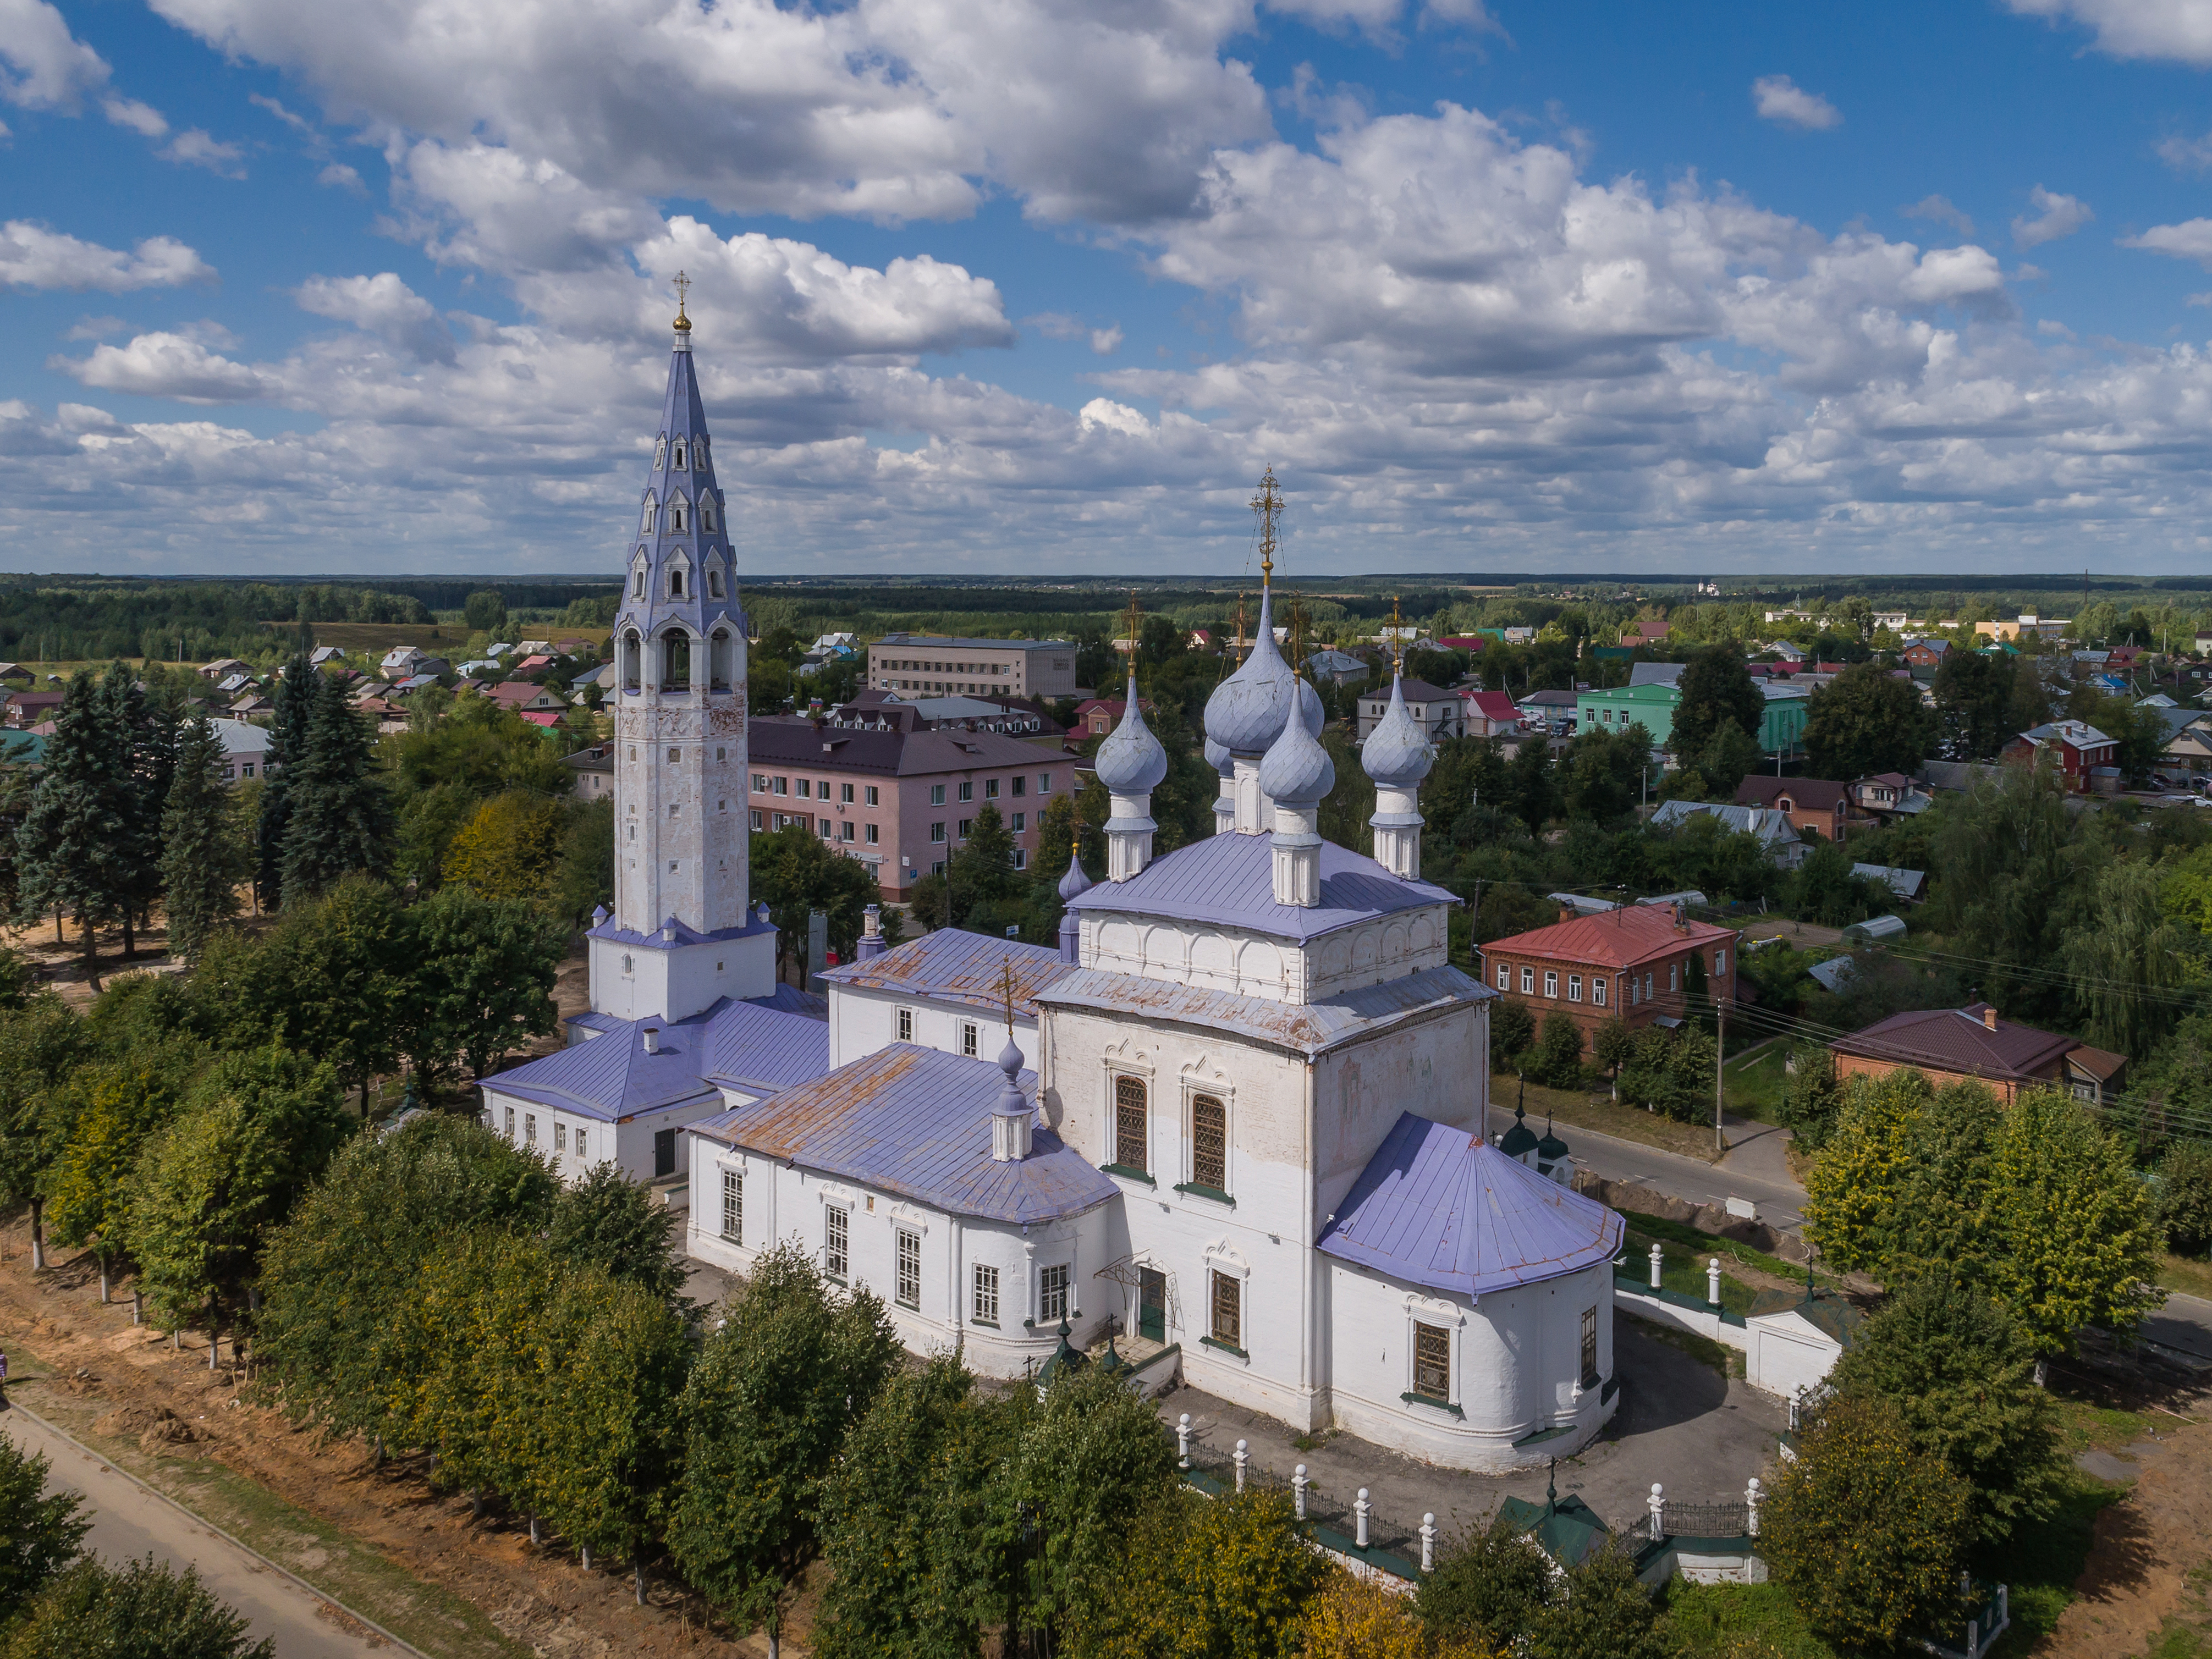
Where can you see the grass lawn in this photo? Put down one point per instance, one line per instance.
(441, 1624)
(1683, 1271)
(2187, 1273)
(1681, 1234)
(1579, 1109)
(2043, 1562)
(1710, 1620)
(1753, 1082)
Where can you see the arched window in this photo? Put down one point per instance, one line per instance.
(676, 582)
(721, 655)
(706, 511)
(679, 514)
(645, 520)
(632, 652)
(699, 450)
(637, 581)
(713, 581)
(1129, 1123)
(676, 660)
(660, 454)
(677, 459)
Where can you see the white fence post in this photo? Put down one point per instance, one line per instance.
(1183, 1443)
(1298, 1490)
(1656, 1259)
(1360, 1511)
(1243, 1457)
(1658, 1512)
(1429, 1542)
(1751, 1497)
(1713, 1281)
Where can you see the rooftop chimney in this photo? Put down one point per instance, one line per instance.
(653, 1039)
(1989, 1016)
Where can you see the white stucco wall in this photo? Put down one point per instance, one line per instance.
(783, 1203)
(643, 981)
(863, 1022)
(628, 1144)
(1438, 1069)
(1261, 965)
(1515, 1366)
(1788, 1354)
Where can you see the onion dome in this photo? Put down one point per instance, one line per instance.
(1010, 1062)
(1131, 761)
(1551, 1148)
(1074, 883)
(1217, 757)
(1246, 710)
(1520, 1140)
(1296, 770)
(1397, 754)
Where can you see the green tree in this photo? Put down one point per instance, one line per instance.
(2080, 1243)
(295, 700)
(73, 849)
(1962, 1375)
(795, 872)
(1061, 829)
(1864, 1531)
(1492, 1585)
(40, 1535)
(480, 980)
(484, 612)
(1715, 688)
(917, 1558)
(1851, 1192)
(98, 1119)
(586, 879)
(1974, 698)
(1529, 785)
(980, 874)
(767, 1408)
(1725, 760)
(145, 745)
(205, 1193)
(2127, 960)
(202, 856)
(339, 820)
(1866, 720)
(330, 980)
(1558, 1060)
(139, 1610)
(2184, 1197)
(1512, 1030)
(1612, 1047)
(448, 1388)
(1227, 1577)
(619, 1226)
(1602, 1612)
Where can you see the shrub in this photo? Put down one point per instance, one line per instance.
(137, 1611)
(2184, 1198)
(1512, 1029)
(1489, 1585)
(1558, 1060)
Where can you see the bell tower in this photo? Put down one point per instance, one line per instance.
(681, 935)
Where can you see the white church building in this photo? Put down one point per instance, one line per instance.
(1236, 1120)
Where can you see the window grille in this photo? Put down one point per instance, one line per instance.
(910, 1269)
(510, 1123)
(1209, 1143)
(837, 1250)
(1051, 1304)
(968, 1043)
(734, 1207)
(1433, 1362)
(987, 1294)
(1129, 1123)
(905, 1025)
(1590, 1346)
(579, 1143)
(1228, 1309)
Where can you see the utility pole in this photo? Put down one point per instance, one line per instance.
(1720, 1066)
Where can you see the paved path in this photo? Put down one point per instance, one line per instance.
(1755, 1176)
(128, 1521)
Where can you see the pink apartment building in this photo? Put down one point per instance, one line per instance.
(899, 798)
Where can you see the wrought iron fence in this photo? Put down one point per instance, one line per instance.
(1707, 1520)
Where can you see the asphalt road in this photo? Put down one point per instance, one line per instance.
(1780, 1201)
(128, 1521)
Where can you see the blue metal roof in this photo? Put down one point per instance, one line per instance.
(916, 1123)
(1307, 1028)
(1229, 880)
(1443, 1208)
(751, 1046)
(950, 965)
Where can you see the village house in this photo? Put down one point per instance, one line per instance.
(594, 772)
(1972, 1044)
(1439, 713)
(941, 663)
(1095, 716)
(245, 750)
(1490, 714)
(2076, 748)
(1815, 803)
(1630, 963)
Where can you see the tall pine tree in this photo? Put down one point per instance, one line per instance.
(288, 747)
(339, 819)
(203, 858)
(145, 736)
(73, 847)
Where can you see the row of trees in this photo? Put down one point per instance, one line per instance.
(178, 623)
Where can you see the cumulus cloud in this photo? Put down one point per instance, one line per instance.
(33, 255)
(384, 306)
(2055, 216)
(2185, 155)
(339, 176)
(195, 147)
(1105, 342)
(43, 66)
(142, 118)
(1105, 413)
(1782, 100)
(95, 328)
(165, 365)
(1940, 210)
(2190, 239)
(2178, 31)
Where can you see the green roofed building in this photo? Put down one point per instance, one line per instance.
(1781, 726)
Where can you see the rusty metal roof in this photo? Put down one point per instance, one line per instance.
(1305, 1028)
(1229, 880)
(916, 1123)
(1441, 1207)
(950, 965)
(1621, 937)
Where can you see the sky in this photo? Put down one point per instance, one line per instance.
(988, 287)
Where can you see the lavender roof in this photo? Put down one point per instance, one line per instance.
(1307, 1028)
(917, 1123)
(754, 1046)
(1229, 880)
(686, 934)
(1441, 1207)
(949, 965)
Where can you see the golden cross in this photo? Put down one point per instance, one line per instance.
(1132, 623)
(1006, 990)
(683, 288)
(1397, 639)
(1269, 506)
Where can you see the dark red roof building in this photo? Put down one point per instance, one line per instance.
(1971, 1044)
(1630, 964)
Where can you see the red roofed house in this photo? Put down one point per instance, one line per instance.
(2078, 747)
(536, 663)
(1631, 963)
(1469, 642)
(1096, 717)
(1491, 713)
(1971, 1044)
(525, 698)
(1809, 803)
(1650, 631)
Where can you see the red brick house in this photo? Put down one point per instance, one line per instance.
(1630, 964)
(1971, 1044)
(2076, 747)
(1809, 802)
(1095, 716)
(1927, 654)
